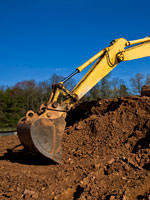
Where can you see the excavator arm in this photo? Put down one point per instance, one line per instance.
(110, 58)
(104, 62)
(42, 132)
(135, 52)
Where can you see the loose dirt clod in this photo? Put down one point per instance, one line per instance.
(106, 156)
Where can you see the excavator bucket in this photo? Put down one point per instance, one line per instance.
(43, 134)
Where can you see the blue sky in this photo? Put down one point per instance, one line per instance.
(41, 37)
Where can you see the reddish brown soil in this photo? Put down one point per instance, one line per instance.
(106, 156)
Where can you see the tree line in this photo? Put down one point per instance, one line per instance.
(15, 101)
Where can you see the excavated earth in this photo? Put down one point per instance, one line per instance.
(106, 156)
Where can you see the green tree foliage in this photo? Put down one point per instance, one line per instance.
(119, 89)
(101, 90)
(11, 106)
(26, 95)
(123, 91)
(93, 94)
(147, 82)
(136, 83)
(115, 87)
(29, 95)
(105, 88)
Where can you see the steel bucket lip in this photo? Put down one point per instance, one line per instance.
(43, 133)
(37, 137)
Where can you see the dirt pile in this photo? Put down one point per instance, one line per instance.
(106, 156)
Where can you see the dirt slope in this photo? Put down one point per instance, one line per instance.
(106, 156)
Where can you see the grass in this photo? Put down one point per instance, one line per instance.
(7, 129)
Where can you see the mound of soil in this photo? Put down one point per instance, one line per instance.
(106, 156)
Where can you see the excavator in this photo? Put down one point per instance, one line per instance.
(42, 132)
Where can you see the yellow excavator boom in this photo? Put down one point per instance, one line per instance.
(108, 59)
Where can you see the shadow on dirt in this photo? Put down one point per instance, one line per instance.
(80, 112)
(143, 143)
(27, 158)
(146, 166)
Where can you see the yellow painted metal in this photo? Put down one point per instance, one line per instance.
(105, 61)
(87, 63)
(138, 51)
(101, 68)
(129, 43)
(55, 96)
(51, 97)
